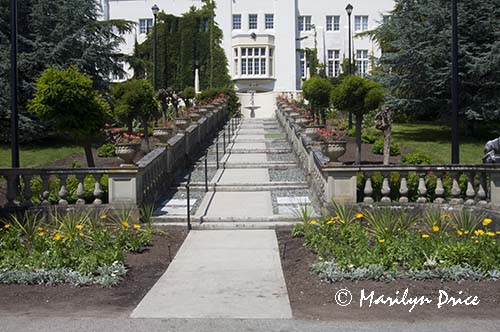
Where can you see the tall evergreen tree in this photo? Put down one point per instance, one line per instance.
(416, 60)
(56, 33)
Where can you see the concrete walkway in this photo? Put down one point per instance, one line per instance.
(221, 274)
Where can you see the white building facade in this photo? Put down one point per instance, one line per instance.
(265, 40)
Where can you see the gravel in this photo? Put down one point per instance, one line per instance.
(281, 157)
(287, 175)
(278, 145)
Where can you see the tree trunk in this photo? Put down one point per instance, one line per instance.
(359, 123)
(130, 128)
(146, 135)
(88, 154)
(387, 145)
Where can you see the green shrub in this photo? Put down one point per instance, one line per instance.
(397, 243)
(378, 148)
(78, 241)
(106, 150)
(416, 158)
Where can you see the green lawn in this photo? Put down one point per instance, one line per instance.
(434, 140)
(33, 155)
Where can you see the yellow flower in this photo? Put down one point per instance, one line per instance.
(460, 233)
(79, 227)
(487, 221)
(381, 241)
(81, 234)
(498, 233)
(103, 217)
(336, 218)
(445, 216)
(136, 226)
(477, 241)
(435, 228)
(491, 234)
(40, 229)
(466, 232)
(40, 234)
(6, 226)
(329, 222)
(479, 232)
(57, 237)
(314, 222)
(124, 224)
(425, 236)
(342, 221)
(359, 216)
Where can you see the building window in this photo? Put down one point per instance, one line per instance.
(237, 22)
(360, 23)
(252, 22)
(253, 61)
(304, 23)
(271, 51)
(269, 21)
(362, 62)
(333, 63)
(333, 23)
(303, 63)
(145, 25)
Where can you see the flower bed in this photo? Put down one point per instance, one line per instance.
(78, 247)
(386, 243)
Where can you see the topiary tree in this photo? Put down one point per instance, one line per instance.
(67, 99)
(359, 96)
(317, 91)
(135, 99)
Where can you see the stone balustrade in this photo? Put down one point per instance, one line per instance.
(466, 185)
(125, 186)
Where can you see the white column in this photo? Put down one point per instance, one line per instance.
(197, 80)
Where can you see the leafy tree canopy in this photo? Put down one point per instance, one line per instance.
(67, 99)
(416, 60)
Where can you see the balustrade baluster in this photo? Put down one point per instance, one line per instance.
(12, 191)
(422, 188)
(470, 192)
(403, 188)
(481, 191)
(386, 188)
(368, 191)
(63, 192)
(45, 189)
(455, 189)
(439, 192)
(80, 190)
(97, 190)
(27, 191)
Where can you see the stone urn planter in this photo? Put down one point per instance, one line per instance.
(194, 116)
(127, 151)
(333, 150)
(182, 123)
(163, 133)
(312, 132)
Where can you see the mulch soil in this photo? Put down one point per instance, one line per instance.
(94, 301)
(367, 156)
(313, 299)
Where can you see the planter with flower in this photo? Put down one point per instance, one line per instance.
(165, 132)
(333, 144)
(127, 146)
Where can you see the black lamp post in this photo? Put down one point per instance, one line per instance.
(455, 152)
(349, 9)
(155, 10)
(13, 85)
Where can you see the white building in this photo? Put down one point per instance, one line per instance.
(265, 40)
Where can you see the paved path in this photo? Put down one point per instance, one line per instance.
(50, 324)
(221, 274)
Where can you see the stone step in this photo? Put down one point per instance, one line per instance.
(200, 186)
(277, 225)
(169, 220)
(275, 151)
